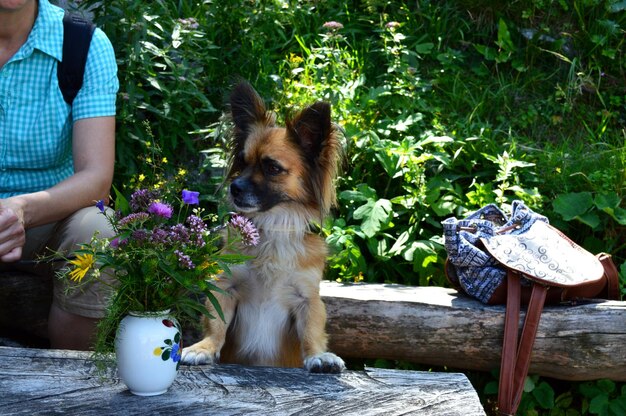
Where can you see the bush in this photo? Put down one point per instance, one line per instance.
(446, 106)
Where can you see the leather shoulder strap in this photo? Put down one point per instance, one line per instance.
(515, 359)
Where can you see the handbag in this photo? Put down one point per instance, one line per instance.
(521, 259)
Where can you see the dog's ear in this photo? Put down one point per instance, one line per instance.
(248, 109)
(311, 128)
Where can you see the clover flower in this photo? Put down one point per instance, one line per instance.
(249, 233)
(161, 210)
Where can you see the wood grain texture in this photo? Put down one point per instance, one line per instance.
(437, 326)
(55, 382)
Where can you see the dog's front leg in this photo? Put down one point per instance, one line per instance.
(311, 329)
(207, 350)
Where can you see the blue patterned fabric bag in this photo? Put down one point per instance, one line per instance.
(494, 257)
(470, 265)
(486, 246)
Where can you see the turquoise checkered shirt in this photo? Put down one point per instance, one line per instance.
(35, 121)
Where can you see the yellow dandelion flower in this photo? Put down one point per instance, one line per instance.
(157, 351)
(82, 263)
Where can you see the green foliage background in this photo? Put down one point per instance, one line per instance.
(446, 106)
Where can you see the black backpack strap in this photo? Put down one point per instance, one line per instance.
(77, 34)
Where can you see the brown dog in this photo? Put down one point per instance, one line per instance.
(282, 179)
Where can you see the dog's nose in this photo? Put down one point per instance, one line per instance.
(236, 188)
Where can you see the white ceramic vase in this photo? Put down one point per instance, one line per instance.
(147, 349)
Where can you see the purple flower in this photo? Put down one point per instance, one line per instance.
(141, 199)
(100, 205)
(178, 234)
(190, 197)
(140, 235)
(332, 25)
(184, 260)
(249, 233)
(159, 236)
(161, 210)
(118, 242)
(131, 218)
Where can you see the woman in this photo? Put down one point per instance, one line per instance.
(56, 160)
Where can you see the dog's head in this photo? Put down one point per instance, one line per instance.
(292, 166)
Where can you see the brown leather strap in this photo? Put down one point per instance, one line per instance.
(611, 275)
(509, 343)
(515, 359)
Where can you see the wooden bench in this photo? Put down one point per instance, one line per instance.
(437, 326)
(427, 325)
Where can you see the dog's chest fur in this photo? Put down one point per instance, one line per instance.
(270, 290)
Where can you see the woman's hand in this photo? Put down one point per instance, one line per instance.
(12, 232)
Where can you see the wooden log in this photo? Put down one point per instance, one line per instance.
(437, 326)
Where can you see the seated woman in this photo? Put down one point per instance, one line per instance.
(56, 159)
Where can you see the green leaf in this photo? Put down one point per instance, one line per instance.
(608, 201)
(573, 205)
(374, 214)
(424, 48)
(606, 385)
(504, 37)
(544, 394)
(121, 203)
(599, 405)
(491, 387)
(618, 406)
(590, 218)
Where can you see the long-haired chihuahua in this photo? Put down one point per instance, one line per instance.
(282, 179)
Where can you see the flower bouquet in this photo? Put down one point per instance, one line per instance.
(165, 254)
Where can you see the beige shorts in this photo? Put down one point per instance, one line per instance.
(90, 299)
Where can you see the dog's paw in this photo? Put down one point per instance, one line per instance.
(198, 355)
(326, 362)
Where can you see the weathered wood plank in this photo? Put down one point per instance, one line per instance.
(55, 382)
(436, 326)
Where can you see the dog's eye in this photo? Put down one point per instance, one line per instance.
(272, 168)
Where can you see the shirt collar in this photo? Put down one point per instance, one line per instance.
(47, 32)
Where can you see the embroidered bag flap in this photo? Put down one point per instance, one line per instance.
(545, 255)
